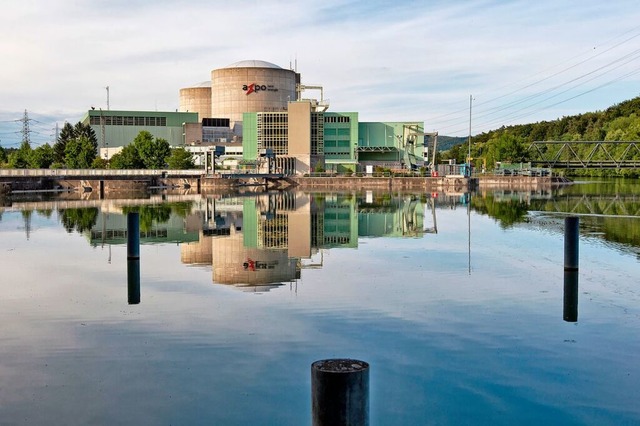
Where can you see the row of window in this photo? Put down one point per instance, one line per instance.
(123, 120)
(337, 216)
(336, 239)
(338, 144)
(336, 119)
(339, 132)
(273, 118)
(337, 155)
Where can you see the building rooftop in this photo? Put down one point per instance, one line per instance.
(253, 64)
(201, 84)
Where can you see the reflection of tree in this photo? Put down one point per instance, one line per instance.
(599, 214)
(624, 231)
(79, 219)
(507, 212)
(45, 212)
(608, 207)
(181, 208)
(160, 213)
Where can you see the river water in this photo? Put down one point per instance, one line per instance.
(457, 301)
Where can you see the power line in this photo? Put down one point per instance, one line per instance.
(456, 118)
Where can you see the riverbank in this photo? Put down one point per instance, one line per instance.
(457, 183)
(103, 182)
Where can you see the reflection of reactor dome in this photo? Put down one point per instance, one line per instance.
(235, 264)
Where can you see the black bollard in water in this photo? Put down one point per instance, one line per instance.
(570, 309)
(571, 239)
(133, 236)
(340, 392)
(133, 281)
(133, 258)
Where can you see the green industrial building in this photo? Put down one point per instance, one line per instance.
(116, 129)
(304, 140)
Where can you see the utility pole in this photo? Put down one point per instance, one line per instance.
(469, 156)
(102, 134)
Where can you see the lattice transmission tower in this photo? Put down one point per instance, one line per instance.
(26, 131)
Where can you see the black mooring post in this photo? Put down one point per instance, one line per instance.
(570, 308)
(133, 281)
(340, 392)
(571, 239)
(133, 258)
(571, 264)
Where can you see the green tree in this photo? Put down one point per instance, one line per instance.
(127, 158)
(85, 130)
(505, 147)
(457, 152)
(623, 129)
(66, 134)
(79, 153)
(180, 159)
(99, 163)
(71, 133)
(153, 152)
(41, 157)
(3, 155)
(20, 159)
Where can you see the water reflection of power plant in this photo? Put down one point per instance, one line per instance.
(262, 241)
(275, 236)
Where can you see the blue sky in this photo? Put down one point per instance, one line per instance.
(522, 61)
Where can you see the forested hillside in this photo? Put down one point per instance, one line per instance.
(620, 122)
(445, 143)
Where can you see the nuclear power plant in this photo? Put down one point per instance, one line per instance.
(253, 108)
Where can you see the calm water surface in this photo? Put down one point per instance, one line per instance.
(456, 301)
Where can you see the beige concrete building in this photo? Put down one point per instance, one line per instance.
(197, 99)
(251, 86)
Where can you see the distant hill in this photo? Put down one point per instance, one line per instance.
(620, 122)
(445, 143)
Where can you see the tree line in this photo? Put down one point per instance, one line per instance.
(76, 147)
(511, 144)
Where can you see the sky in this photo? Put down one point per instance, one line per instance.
(460, 66)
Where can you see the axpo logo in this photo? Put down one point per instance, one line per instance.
(255, 88)
(251, 88)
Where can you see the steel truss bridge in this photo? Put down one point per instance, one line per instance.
(585, 154)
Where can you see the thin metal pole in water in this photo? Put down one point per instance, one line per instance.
(340, 392)
(469, 155)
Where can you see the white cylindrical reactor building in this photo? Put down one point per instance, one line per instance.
(197, 99)
(251, 86)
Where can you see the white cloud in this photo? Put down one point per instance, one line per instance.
(389, 61)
